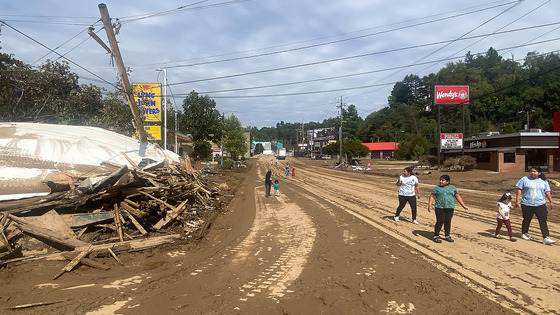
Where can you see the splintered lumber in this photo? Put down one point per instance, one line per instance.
(132, 210)
(135, 245)
(118, 224)
(85, 261)
(115, 256)
(129, 160)
(158, 200)
(44, 233)
(22, 306)
(135, 222)
(171, 215)
(74, 262)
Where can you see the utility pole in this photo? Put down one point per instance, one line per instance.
(340, 134)
(122, 72)
(164, 105)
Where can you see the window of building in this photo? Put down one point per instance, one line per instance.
(509, 157)
(482, 157)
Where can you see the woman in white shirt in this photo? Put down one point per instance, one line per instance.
(408, 192)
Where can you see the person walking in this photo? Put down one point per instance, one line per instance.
(276, 191)
(408, 192)
(532, 192)
(267, 183)
(504, 207)
(444, 195)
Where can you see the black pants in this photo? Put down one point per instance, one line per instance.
(541, 212)
(443, 218)
(402, 202)
(267, 188)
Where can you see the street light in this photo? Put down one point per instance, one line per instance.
(164, 102)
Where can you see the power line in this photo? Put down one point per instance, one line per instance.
(70, 61)
(341, 40)
(360, 56)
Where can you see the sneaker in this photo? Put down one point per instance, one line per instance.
(397, 219)
(548, 241)
(497, 236)
(449, 239)
(525, 236)
(513, 239)
(415, 222)
(437, 239)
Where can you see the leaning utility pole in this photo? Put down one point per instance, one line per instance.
(122, 71)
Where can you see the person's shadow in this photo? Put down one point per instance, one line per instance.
(423, 233)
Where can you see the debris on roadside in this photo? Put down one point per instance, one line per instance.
(129, 209)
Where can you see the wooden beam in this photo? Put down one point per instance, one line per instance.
(74, 262)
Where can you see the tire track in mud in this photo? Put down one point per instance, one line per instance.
(522, 276)
(277, 246)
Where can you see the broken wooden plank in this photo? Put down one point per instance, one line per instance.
(137, 213)
(44, 233)
(135, 245)
(129, 160)
(171, 215)
(132, 203)
(137, 224)
(158, 200)
(115, 256)
(74, 262)
(85, 261)
(22, 306)
(118, 224)
(52, 221)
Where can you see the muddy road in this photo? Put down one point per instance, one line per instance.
(327, 244)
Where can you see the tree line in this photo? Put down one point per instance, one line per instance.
(503, 94)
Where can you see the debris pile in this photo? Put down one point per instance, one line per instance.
(129, 209)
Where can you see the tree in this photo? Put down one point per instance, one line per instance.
(350, 148)
(203, 121)
(235, 141)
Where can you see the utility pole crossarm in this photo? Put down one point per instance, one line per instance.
(122, 72)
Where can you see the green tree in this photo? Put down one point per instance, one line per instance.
(235, 141)
(203, 121)
(350, 148)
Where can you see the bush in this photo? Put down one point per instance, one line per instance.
(227, 164)
(450, 164)
(467, 162)
(428, 160)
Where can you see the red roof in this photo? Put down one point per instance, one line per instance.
(382, 146)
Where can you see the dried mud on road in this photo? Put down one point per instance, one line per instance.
(327, 244)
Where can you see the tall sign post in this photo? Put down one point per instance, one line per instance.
(447, 95)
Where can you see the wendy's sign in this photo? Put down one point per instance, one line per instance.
(451, 94)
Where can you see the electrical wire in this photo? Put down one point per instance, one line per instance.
(70, 61)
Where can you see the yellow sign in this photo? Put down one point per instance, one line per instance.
(154, 133)
(148, 98)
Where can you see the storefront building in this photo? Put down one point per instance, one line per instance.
(514, 152)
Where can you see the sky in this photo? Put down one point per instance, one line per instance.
(268, 61)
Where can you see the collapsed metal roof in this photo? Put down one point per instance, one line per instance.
(33, 153)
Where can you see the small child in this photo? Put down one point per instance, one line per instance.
(504, 207)
(276, 192)
(293, 172)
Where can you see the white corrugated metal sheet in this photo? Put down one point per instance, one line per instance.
(31, 152)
